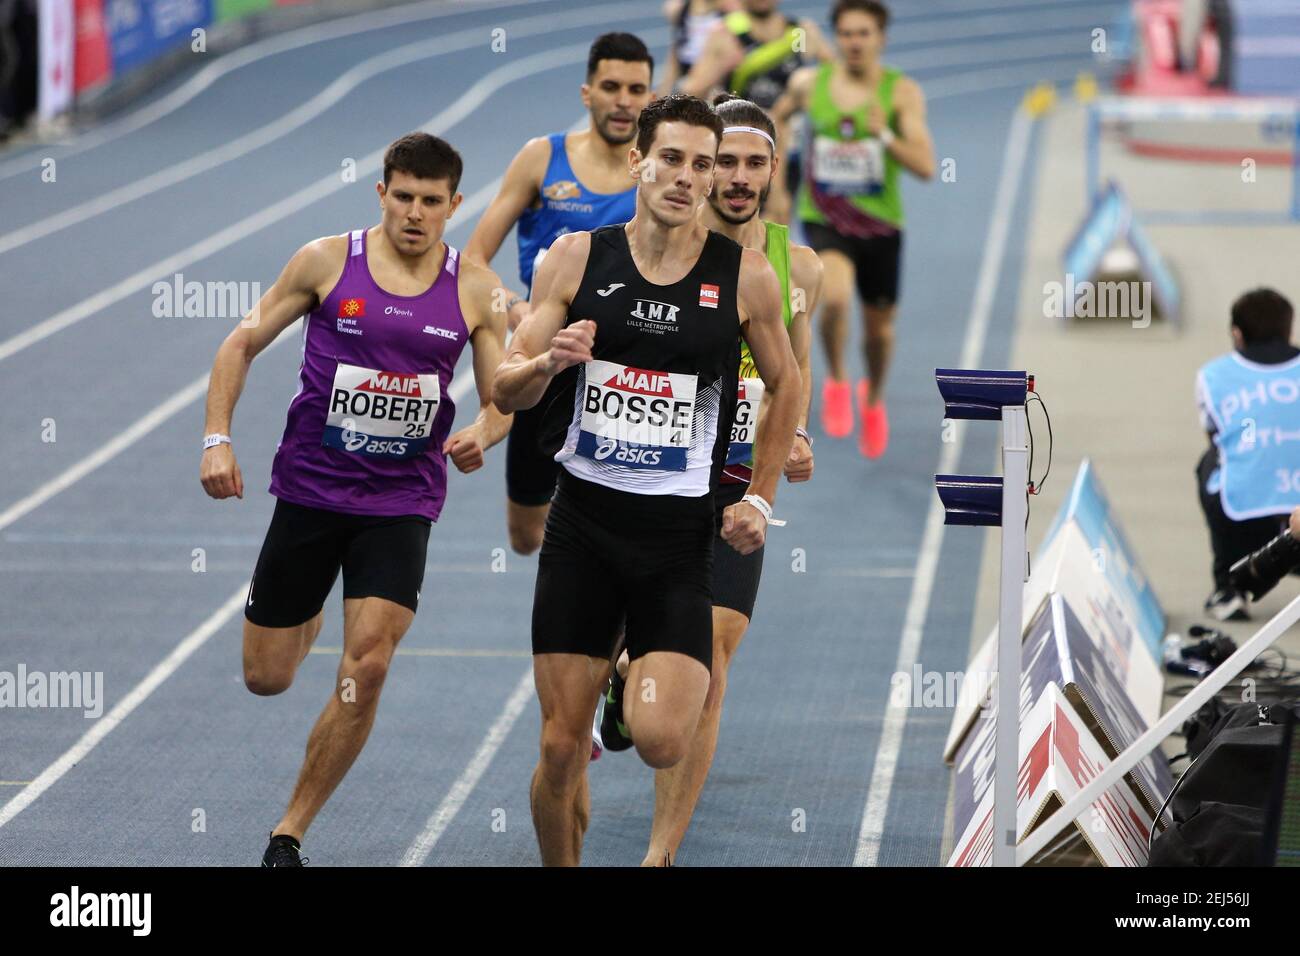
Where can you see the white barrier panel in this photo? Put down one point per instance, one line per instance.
(1058, 757)
(1085, 558)
(57, 35)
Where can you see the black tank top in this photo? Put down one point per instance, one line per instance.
(652, 413)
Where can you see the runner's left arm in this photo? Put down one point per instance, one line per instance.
(743, 527)
(487, 339)
(912, 146)
(806, 288)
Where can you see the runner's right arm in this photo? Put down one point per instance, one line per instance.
(294, 294)
(519, 190)
(542, 346)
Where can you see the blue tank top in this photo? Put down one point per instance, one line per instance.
(567, 206)
(1253, 408)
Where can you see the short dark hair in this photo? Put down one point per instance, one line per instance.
(734, 111)
(425, 157)
(877, 10)
(618, 46)
(1263, 315)
(675, 107)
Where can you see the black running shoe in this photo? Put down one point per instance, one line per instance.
(614, 734)
(1227, 604)
(283, 851)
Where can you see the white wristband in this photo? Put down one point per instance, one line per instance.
(887, 136)
(211, 441)
(764, 509)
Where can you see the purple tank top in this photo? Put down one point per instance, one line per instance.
(364, 433)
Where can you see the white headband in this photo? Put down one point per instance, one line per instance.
(749, 129)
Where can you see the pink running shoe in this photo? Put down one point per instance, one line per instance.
(874, 437)
(837, 409)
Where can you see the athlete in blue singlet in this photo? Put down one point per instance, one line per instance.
(559, 184)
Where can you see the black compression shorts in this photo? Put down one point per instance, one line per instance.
(306, 547)
(877, 261)
(610, 553)
(735, 575)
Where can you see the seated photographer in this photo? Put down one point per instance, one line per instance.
(1249, 477)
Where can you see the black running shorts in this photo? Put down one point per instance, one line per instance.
(609, 553)
(877, 261)
(735, 575)
(305, 548)
(530, 472)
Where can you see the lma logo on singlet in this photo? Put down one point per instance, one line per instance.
(656, 317)
(637, 417)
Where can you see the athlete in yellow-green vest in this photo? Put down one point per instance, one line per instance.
(865, 124)
(743, 172)
(752, 53)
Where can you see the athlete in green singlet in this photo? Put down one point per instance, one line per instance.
(865, 124)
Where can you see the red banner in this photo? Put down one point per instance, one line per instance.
(93, 64)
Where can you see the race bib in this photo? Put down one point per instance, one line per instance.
(636, 417)
(849, 167)
(748, 399)
(383, 414)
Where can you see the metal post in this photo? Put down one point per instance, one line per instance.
(1006, 768)
(1093, 158)
(1295, 167)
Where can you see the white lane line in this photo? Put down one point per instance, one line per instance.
(244, 56)
(437, 824)
(137, 695)
(105, 452)
(296, 118)
(890, 744)
(474, 97)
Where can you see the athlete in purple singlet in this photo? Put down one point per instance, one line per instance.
(361, 472)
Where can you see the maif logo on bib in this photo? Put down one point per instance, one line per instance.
(636, 417)
(385, 414)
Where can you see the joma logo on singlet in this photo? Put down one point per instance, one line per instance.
(653, 311)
